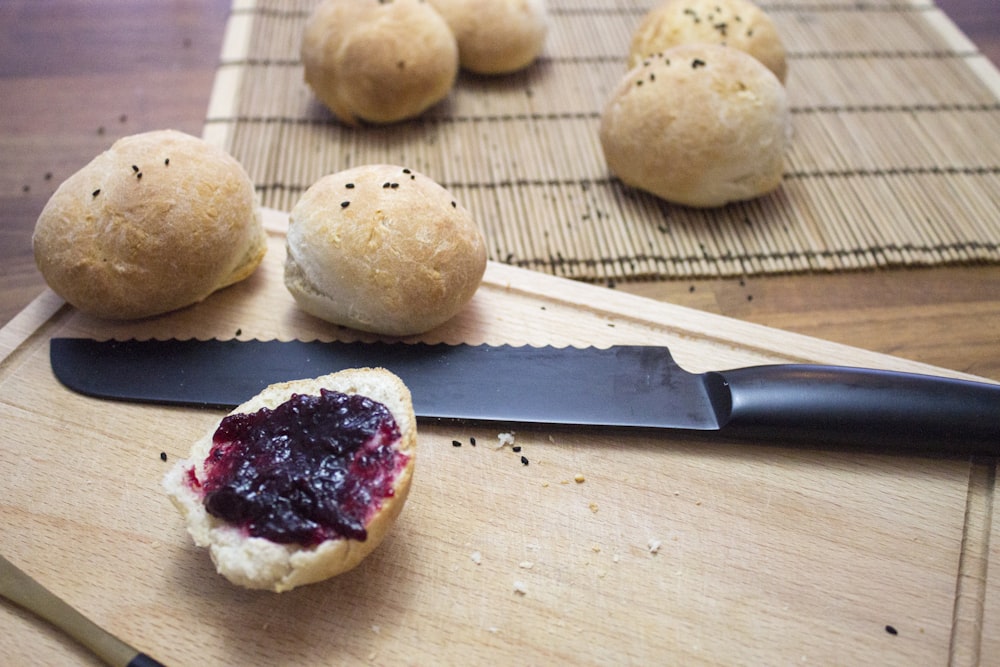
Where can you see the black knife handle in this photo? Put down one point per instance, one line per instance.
(865, 407)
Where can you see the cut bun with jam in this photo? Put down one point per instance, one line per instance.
(301, 482)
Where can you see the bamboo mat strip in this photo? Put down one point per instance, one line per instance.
(895, 158)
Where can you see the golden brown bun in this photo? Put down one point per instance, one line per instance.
(700, 125)
(157, 222)
(379, 62)
(256, 562)
(496, 36)
(739, 24)
(383, 249)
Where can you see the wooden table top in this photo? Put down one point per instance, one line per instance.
(73, 77)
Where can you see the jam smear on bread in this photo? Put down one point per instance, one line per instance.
(313, 468)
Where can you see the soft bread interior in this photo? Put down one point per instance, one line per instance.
(259, 563)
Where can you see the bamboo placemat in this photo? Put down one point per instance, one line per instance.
(895, 158)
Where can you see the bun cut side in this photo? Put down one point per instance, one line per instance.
(157, 222)
(301, 482)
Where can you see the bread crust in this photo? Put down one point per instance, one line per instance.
(496, 36)
(700, 125)
(384, 249)
(739, 24)
(378, 62)
(255, 562)
(157, 222)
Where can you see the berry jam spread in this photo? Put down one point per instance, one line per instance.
(312, 469)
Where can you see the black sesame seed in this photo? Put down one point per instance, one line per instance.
(139, 175)
(345, 204)
(239, 332)
(48, 176)
(96, 192)
(891, 630)
(524, 460)
(406, 171)
(472, 441)
(349, 186)
(696, 63)
(453, 204)
(394, 186)
(516, 448)
(163, 456)
(166, 163)
(135, 169)
(456, 443)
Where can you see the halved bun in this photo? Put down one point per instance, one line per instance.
(258, 562)
(157, 222)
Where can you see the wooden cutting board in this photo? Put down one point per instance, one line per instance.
(672, 549)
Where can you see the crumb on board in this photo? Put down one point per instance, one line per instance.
(654, 546)
(593, 507)
(519, 587)
(579, 479)
(476, 557)
(526, 565)
(505, 439)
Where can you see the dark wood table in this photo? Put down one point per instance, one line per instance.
(74, 76)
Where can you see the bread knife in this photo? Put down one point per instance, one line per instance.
(618, 387)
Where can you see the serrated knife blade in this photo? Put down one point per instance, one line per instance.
(620, 386)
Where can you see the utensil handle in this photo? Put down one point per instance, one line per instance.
(867, 407)
(21, 589)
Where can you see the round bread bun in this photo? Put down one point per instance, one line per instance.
(739, 24)
(157, 222)
(379, 62)
(700, 125)
(496, 36)
(258, 562)
(383, 249)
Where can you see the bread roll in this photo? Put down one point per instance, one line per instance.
(300, 498)
(496, 36)
(384, 249)
(157, 222)
(377, 61)
(700, 125)
(736, 23)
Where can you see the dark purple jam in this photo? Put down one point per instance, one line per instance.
(313, 468)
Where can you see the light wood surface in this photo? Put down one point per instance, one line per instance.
(74, 76)
(673, 549)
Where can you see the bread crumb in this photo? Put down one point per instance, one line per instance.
(596, 548)
(616, 558)
(505, 439)
(654, 546)
(579, 479)
(476, 557)
(519, 588)
(593, 507)
(526, 565)
(376, 629)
